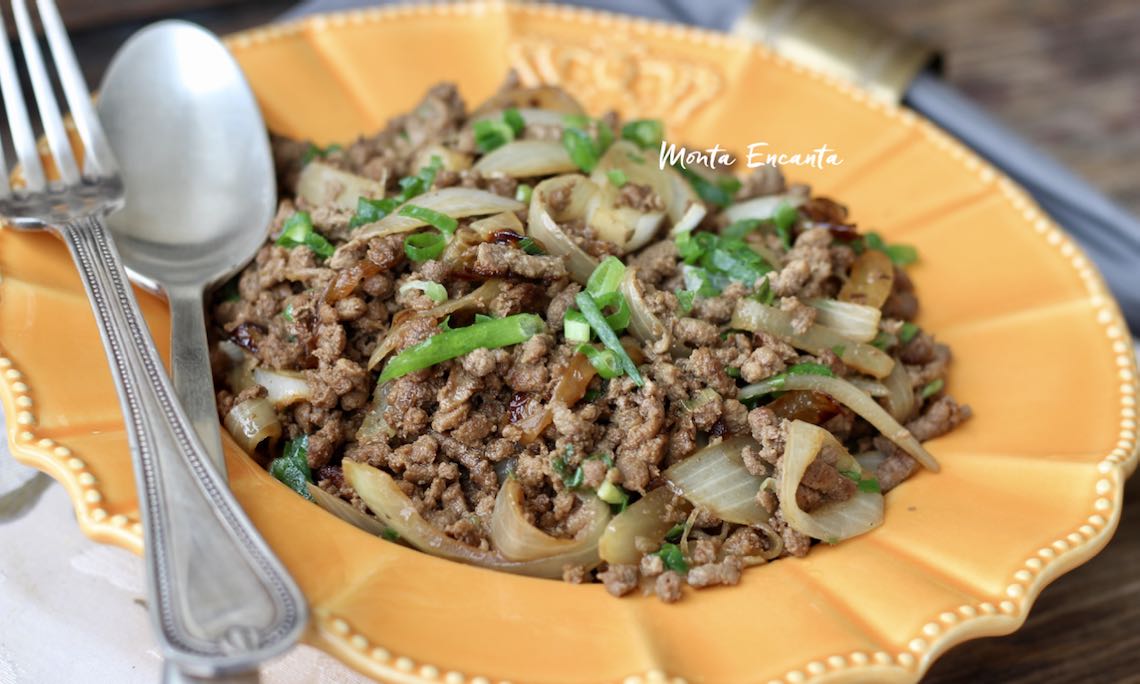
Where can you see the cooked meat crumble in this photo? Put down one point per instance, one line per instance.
(513, 325)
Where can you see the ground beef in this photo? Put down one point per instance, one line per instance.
(619, 579)
(450, 431)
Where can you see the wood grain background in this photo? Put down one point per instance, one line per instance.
(1066, 75)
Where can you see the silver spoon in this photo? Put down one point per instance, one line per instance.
(194, 153)
(201, 190)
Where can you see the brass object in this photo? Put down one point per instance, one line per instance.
(839, 41)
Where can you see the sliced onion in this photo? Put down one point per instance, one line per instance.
(389, 503)
(570, 389)
(542, 222)
(516, 539)
(853, 398)
(872, 278)
(628, 228)
(858, 322)
(476, 300)
(900, 395)
(545, 97)
(682, 204)
(450, 160)
(374, 427)
(456, 202)
(834, 521)
(716, 480)
(321, 184)
(763, 208)
(643, 323)
(752, 315)
(646, 519)
(872, 388)
(252, 422)
(346, 511)
(283, 387)
(526, 159)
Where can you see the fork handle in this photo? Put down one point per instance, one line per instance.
(220, 601)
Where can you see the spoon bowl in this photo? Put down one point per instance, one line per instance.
(200, 186)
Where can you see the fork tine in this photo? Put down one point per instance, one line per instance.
(45, 96)
(23, 138)
(98, 161)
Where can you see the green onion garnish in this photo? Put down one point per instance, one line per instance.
(443, 222)
(528, 245)
(491, 134)
(424, 246)
(581, 148)
(314, 152)
(606, 334)
(809, 368)
(673, 558)
(900, 255)
(907, 332)
(523, 193)
(933, 387)
(292, 467)
(433, 290)
(785, 218)
(606, 277)
(732, 372)
(613, 494)
(615, 302)
(675, 532)
(617, 177)
(488, 334)
(298, 230)
(719, 193)
(685, 300)
(574, 326)
(512, 118)
(287, 313)
(869, 484)
(645, 133)
(370, 210)
(603, 360)
(738, 229)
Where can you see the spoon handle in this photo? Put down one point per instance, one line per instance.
(220, 600)
(190, 369)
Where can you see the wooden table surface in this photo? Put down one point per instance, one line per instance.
(1067, 76)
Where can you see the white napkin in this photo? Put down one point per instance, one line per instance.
(19, 484)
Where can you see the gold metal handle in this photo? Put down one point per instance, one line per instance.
(839, 41)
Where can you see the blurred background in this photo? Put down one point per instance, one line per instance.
(1064, 74)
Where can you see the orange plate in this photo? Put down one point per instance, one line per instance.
(1030, 488)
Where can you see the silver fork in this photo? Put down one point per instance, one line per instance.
(221, 602)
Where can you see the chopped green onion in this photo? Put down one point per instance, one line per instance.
(738, 229)
(390, 534)
(869, 484)
(933, 387)
(370, 210)
(838, 349)
(528, 245)
(480, 318)
(435, 291)
(617, 177)
(697, 280)
(732, 372)
(613, 494)
(809, 368)
(298, 230)
(292, 467)
(523, 193)
(764, 293)
(883, 341)
(314, 152)
(512, 118)
(902, 255)
(574, 326)
(581, 148)
(907, 332)
(645, 133)
(615, 301)
(675, 532)
(287, 313)
(424, 246)
(576, 121)
(685, 300)
(491, 134)
(785, 218)
(603, 360)
(606, 334)
(719, 193)
(443, 222)
(673, 557)
(492, 334)
(607, 277)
